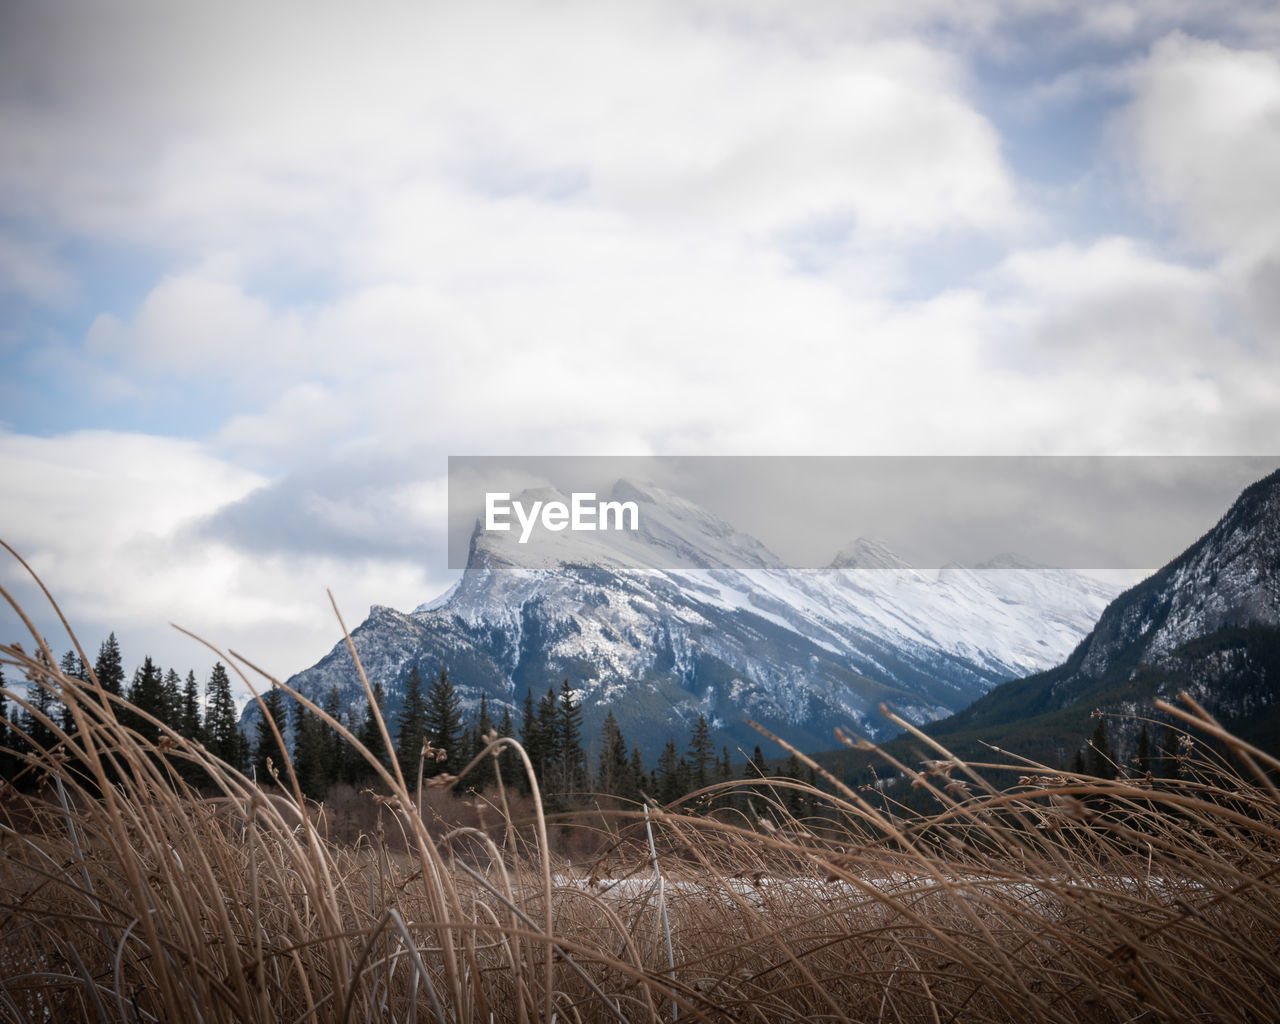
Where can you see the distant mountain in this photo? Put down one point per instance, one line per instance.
(1207, 623)
(687, 615)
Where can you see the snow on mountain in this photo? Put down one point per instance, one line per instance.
(1207, 623)
(1229, 578)
(687, 615)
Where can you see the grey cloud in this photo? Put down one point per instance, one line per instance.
(344, 508)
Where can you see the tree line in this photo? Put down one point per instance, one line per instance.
(1161, 759)
(153, 696)
(429, 733)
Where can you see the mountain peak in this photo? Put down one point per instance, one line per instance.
(1206, 622)
(1009, 560)
(866, 553)
(625, 489)
(686, 615)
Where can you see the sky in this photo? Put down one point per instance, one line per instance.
(264, 267)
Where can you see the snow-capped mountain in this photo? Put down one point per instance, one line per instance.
(1208, 622)
(687, 615)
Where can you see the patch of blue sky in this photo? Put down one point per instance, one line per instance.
(952, 260)
(54, 379)
(1066, 149)
(819, 245)
(303, 288)
(49, 384)
(915, 271)
(506, 178)
(51, 387)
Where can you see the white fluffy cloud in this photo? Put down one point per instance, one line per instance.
(116, 526)
(1205, 125)
(1112, 304)
(379, 236)
(248, 134)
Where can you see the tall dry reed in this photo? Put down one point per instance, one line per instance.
(126, 895)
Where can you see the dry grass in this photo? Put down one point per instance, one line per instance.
(125, 895)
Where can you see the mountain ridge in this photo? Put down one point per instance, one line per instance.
(1217, 602)
(639, 631)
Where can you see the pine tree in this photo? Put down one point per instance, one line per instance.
(724, 773)
(670, 785)
(189, 720)
(335, 748)
(531, 740)
(444, 723)
(756, 768)
(465, 750)
(172, 705)
(371, 735)
(1101, 761)
(510, 768)
(549, 730)
(109, 668)
(1142, 760)
(639, 781)
(614, 770)
(411, 728)
(724, 770)
(267, 754)
(573, 762)
(72, 666)
(309, 752)
(44, 714)
(701, 754)
(147, 695)
(223, 738)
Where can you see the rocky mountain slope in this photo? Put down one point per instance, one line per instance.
(688, 615)
(1208, 623)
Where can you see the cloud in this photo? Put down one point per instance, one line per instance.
(414, 233)
(1205, 126)
(1066, 347)
(1204, 133)
(359, 506)
(491, 223)
(192, 324)
(97, 489)
(1135, 352)
(361, 240)
(1111, 304)
(250, 136)
(118, 527)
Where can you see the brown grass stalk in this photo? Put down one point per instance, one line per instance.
(128, 895)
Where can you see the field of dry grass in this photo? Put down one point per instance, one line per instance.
(127, 896)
